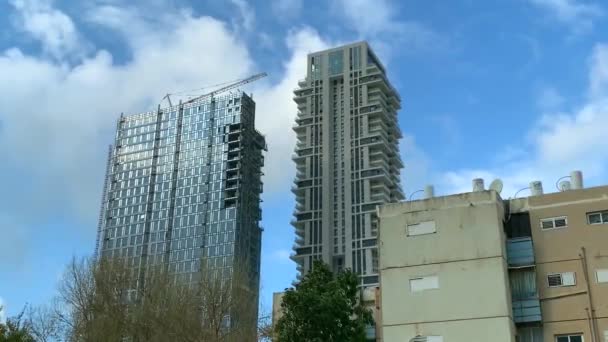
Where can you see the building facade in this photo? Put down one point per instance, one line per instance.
(472, 267)
(569, 231)
(183, 188)
(347, 159)
(443, 270)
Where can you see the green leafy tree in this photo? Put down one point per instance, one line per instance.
(323, 307)
(15, 329)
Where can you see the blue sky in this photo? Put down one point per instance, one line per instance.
(516, 89)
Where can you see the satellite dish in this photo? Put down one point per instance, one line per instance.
(496, 185)
(565, 186)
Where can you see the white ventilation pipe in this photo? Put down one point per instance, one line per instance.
(565, 186)
(576, 177)
(429, 191)
(536, 188)
(478, 185)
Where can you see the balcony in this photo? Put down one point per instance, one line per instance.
(370, 332)
(527, 310)
(299, 232)
(299, 241)
(520, 252)
(524, 293)
(302, 251)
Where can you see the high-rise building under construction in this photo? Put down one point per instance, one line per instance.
(183, 188)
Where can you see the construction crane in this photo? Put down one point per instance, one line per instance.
(228, 87)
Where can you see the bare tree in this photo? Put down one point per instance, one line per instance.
(43, 323)
(107, 301)
(228, 304)
(265, 329)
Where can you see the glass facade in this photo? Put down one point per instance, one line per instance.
(182, 189)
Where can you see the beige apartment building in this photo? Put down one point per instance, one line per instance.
(443, 270)
(475, 267)
(570, 236)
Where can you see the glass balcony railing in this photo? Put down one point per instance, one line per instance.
(370, 333)
(526, 310)
(522, 278)
(520, 252)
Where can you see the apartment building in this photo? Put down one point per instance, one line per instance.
(474, 267)
(569, 233)
(443, 270)
(347, 159)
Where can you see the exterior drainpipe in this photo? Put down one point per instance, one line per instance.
(590, 315)
(590, 321)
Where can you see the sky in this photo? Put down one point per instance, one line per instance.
(516, 89)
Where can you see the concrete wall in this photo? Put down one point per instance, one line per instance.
(467, 253)
(492, 329)
(472, 222)
(467, 290)
(277, 311)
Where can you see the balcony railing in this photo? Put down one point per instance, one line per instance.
(520, 252)
(526, 310)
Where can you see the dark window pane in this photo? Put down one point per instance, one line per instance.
(560, 222)
(547, 224)
(555, 280)
(578, 338)
(562, 339)
(595, 218)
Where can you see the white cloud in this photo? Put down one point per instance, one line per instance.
(265, 40)
(63, 116)
(246, 13)
(53, 28)
(284, 9)
(276, 111)
(375, 20)
(575, 13)
(599, 72)
(371, 17)
(558, 144)
(76, 107)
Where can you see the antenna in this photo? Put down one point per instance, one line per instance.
(564, 186)
(496, 185)
(415, 192)
(520, 190)
(558, 183)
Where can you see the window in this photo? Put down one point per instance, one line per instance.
(561, 279)
(427, 339)
(602, 277)
(422, 228)
(424, 283)
(554, 222)
(598, 217)
(434, 339)
(569, 338)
